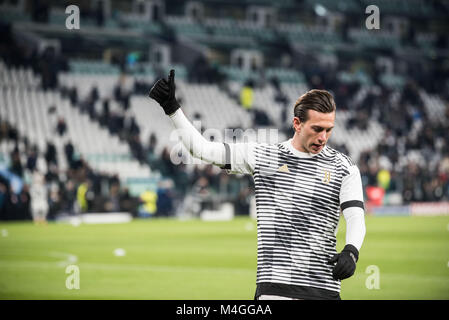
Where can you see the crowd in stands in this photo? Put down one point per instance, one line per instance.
(80, 189)
(411, 160)
(77, 189)
(413, 155)
(414, 152)
(409, 129)
(122, 123)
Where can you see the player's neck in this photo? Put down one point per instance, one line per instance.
(296, 143)
(292, 144)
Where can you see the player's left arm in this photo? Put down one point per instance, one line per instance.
(352, 206)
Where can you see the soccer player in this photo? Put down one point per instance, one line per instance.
(301, 185)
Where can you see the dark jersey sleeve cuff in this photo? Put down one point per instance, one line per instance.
(227, 165)
(352, 203)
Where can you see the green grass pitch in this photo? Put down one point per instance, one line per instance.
(171, 259)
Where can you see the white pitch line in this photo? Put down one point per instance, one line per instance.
(164, 268)
(105, 266)
(192, 269)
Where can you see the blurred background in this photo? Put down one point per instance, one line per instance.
(78, 133)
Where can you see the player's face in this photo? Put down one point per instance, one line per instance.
(314, 133)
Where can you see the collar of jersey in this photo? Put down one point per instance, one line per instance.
(300, 154)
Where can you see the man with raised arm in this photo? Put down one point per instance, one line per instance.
(301, 187)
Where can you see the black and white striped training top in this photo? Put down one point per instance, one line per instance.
(298, 201)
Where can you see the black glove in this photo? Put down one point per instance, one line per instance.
(346, 262)
(163, 92)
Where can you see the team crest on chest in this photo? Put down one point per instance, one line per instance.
(327, 177)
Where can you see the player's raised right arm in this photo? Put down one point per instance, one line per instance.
(163, 92)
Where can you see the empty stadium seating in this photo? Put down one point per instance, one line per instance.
(27, 107)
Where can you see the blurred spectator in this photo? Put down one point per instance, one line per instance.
(150, 150)
(113, 200)
(23, 205)
(148, 205)
(81, 196)
(61, 126)
(165, 199)
(67, 197)
(99, 15)
(39, 200)
(3, 197)
(32, 158)
(127, 202)
(39, 11)
(247, 95)
(69, 151)
(52, 173)
(137, 148)
(384, 179)
(73, 96)
(260, 118)
(55, 204)
(202, 194)
(165, 165)
(141, 87)
(105, 113)
(242, 202)
(50, 154)
(209, 172)
(16, 164)
(94, 94)
(48, 67)
(4, 130)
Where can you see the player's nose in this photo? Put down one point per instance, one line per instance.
(322, 137)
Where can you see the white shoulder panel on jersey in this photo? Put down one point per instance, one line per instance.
(242, 157)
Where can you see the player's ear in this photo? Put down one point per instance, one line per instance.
(296, 124)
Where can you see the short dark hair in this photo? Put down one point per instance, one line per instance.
(315, 99)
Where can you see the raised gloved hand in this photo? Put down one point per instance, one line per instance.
(345, 262)
(163, 92)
